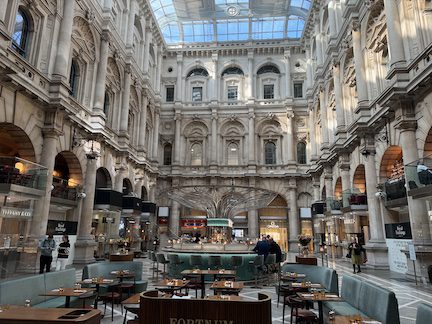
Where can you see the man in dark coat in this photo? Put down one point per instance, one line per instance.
(262, 247)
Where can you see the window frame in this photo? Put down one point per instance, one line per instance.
(193, 159)
(273, 160)
(22, 49)
(228, 156)
(74, 78)
(201, 93)
(301, 156)
(166, 93)
(232, 87)
(297, 83)
(272, 91)
(167, 158)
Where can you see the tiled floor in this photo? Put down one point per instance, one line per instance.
(408, 295)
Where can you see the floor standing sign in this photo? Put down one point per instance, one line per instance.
(60, 228)
(398, 237)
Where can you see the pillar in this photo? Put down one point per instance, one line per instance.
(131, 24)
(332, 18)
(174, 222)
(125, 104)
(312, 134)
(359, 64)
(293, 221)
(309, 73)
(64, 42)
(328, 181)
(85, 244)
(394, 32)
(159, 69)
(251, 137)
(250, 79)
(177, 139)
(143, 122)
(99, 96)
(214, 138)
(178, 93)
(214, 82)
(156, 135)
(148, 38)
(340, 117)
(253, 217)
(324, 120)
(49, 152)
(290, 137)
(287, 56)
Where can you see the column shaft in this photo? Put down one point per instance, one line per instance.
(64, 41)
(178, 87)
(156, 136)
(143, 123)
(177, 138)
(394, 32)
(99, 97)
(340, 117)
(148, 37)
(312, 134)
(324, 120)
(253, 224)
(125, 106)
(214, 139)
(131, 24)
(251, 92)
(251, 138)
(290, 138)
(288, 84)
(359, 66)
(174, 222)
(294, 221)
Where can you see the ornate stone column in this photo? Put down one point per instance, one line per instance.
(99, 96)
(324, 120)
(125, 104)
(293, 221)
(214, 136)
(131, 23)
(64, 42)
(359, 64)
(328, 181)
(394, 33)
(309, 73)
(148, 39)
(85, 244)
(177, 139)
(312, 134)
(214, 82)
(250, 79)
(332, 18)
(344, 164)
(174, 222)
(340, 116)
(156, 135)
(316, 189)
(251, 137)
(143, 122)
(159, 69)
(253, 220)
(288, 85)
(178, 87)
(290, 137)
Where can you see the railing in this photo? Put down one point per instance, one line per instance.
(353, 197)
(419, 173)
(395, 189)
(23, 173)
(65, 189)
(333, 203)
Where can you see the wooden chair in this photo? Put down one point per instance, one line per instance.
(297, 310)
(114, 296)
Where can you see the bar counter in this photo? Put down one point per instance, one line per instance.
(24, 315)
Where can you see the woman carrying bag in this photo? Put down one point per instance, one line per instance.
(357, 254)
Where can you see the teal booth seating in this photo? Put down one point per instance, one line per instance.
(327, 277)
(244, 271)
(104, 269)
(16, 291)
(424, 314)
(366, 299)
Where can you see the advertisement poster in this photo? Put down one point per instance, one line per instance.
(398, 238)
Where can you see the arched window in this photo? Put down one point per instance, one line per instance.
(21, 33)
(301, 153)
(268, 69)
(233, 154)
(196, 154)
(233, 70)
(106, 105)
(74, 78)
(167, 154)
(198, 72)
(270, 153)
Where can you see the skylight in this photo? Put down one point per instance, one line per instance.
(197, 21)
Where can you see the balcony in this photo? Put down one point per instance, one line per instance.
(395, 193)
(22, 176)
(419, 177)
(108, 199)
(334, 206)
(64, 189)
(353, 199)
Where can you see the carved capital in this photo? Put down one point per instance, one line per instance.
(105, 36)
(355, 26)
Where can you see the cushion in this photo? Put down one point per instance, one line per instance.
(424, 313)
(350, 291)
(18, 290)
(63, 278)
(103, 269)
(343, 308)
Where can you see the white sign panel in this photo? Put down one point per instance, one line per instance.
(397, 259)
(58, 239)
(412, 254)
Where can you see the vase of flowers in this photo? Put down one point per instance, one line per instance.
(304, 241)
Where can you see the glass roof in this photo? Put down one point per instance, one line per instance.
(198, 21)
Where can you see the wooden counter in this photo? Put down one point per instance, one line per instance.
(26, 315)
(157, 310)
(121, 257)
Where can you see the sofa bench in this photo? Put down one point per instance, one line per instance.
(104, 269)
(366, 299)
(16, 291)
(424, 313)
(327, 277)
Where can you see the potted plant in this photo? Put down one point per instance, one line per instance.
(304, 241)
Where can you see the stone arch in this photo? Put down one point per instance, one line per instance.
(195, 129)
(338, 189)
(127, 186)
(279, 66)
(304, 200)
(113, 74)
(103, 178)
(270, 127)
(144, 193)
(232, 128)
(15, 142)
(194, 66)
(67, 167)
(134, 99)
(359, 178)
(228, 65)
(84, 37)
(391, 156)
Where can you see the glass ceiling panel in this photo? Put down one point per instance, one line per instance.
(198, 21)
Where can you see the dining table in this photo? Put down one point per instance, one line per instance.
(67, 293)
(353, 319)
(97, 282)
(171, 285)
(230, 287)
(123, 274)
(203, 273)
(319, 297)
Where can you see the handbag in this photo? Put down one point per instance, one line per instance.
(348, 255)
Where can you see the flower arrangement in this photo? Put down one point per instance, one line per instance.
(304, 240)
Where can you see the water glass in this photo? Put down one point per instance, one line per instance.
(27, 303)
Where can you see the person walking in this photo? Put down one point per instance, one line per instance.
(355, 252)
(47, 246)
(63, 253)
(262, 247)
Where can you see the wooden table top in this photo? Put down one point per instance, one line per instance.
(71, 292)
(175, 283)
(99, 281)
(208, 272)
(304, 285)
(350, 319)
(319, 297)
(134, 299)
(227, 285)
(123, 274)
(225, 297)
(43, 315)
(291, 276)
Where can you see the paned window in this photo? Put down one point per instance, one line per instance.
(298, 90)
(74, 78)
(232, 93)
(196, 154)
(167, 154)
(21, 33)
(233, 154)
(197, 94)
(301, 153)
(106, 104)
(268, 91)
(170, 94)
(270, 153)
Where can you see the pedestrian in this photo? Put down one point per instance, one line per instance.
(275, 249)
(63, 253)
(262, 247)
(355, 253)
(47, 246)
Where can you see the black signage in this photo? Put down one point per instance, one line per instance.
(57, 227)
(399, 231)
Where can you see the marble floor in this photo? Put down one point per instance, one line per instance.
(408, 294)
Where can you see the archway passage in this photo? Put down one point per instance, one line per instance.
(103, 178)
(273, 221)
(359, 180)
(127, 187)
(15, 142)
(392, 173)
(338, 189)
(428, 145)
(67, 176)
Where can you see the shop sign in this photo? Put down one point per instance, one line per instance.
(62, 227)
(349, 221)
(108, 220)
(400, 231)
(11, 212)
(272, 225)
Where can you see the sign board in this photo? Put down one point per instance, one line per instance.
(108, 220)
(12, 212)
(57, 227)
(397, 259)
(163, 211)
(398, 231)
(305, 212)
(412, 253)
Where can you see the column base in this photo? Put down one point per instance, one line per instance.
(377, 255)
(293, 246)
(84, 251)
(423, 260)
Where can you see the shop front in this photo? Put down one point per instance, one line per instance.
(130, 223)
(277, 229)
